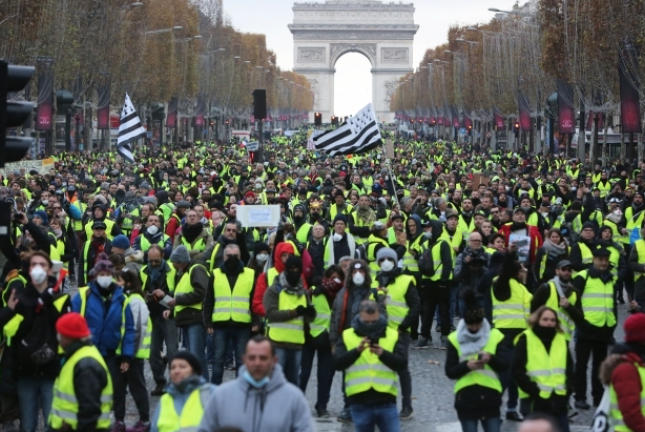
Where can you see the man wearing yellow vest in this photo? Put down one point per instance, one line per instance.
(581, 254)
(636, 263)
(597, 288)
(95, 245)
(227, 309)
(402, 305)
(560, 295)
(371, 354)
(191, 283)
(83, 390)
(158, 281)
(288, 308)
(193, 237)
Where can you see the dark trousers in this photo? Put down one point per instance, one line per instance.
(431, 297)
(223, 337)
(324, 372)
(506, 378)
(113, 363)
(404, 376)
(136, 383)
(629, 277)
(163, 331)
(586, 348)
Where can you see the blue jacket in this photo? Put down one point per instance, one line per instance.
(75, 213)
(104, 318)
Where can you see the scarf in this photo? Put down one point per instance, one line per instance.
(366, 215)
(374, 331)
(191, 232)
(156, 272)
(356, 296)
(385, 278)
(472, 343)
(554, 250)
(331, 287)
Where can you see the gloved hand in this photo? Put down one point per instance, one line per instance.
(301, 310)
(311, 311)
(318, 290)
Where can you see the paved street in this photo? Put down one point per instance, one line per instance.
(432, 397)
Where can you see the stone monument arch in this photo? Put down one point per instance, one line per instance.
(324, 32)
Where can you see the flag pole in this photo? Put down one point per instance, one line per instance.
(389, 169)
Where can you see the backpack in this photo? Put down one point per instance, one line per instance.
(38, 346)
(426, 263)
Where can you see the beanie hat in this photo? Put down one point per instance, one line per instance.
(590, 224)
(41, 214)
(341, 218)
(249, 194)
(635, 328)
(386, 252)
(103, 264)
(191, 359)
(73, 326)
(180, 255)
(261, 247)
(121, 242)
(293, 261)
(473, 312)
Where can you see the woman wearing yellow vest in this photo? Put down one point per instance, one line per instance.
(475, 358)
(543, 367)
(134, 377)
(182, 407)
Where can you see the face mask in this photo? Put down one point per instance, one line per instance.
(526, 209)
(38, 275)
(231, 264)
(45, 202)
(262, 257)
(293, 277)
(544, 214)
(58, 232)
(427, 234)
(337, 237)
(337, 280)
(258, 186)
(387, 265)
(508, 188)
(152, 230)
(257, 384)
(358, 278)
(104, 281)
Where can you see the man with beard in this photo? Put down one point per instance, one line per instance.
(214, 256)
(316, 248)
(561, 296)
(193, 236)
(315, 214)
(153, 235)
(361, 221)
(466, 219)
(455, 201)
(402, 306)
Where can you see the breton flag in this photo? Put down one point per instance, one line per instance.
(130, 130)
(357, 135)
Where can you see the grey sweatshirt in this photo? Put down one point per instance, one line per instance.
(278, 406)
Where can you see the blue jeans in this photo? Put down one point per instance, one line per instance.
(491, 424)
(222, 337)
(195, 339)
(454, 292)
(324, 373)
(366, 417)
(33, 394)
(290, 360)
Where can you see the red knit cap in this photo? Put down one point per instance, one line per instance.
(249, 194)
(635, 328)
(73, 326)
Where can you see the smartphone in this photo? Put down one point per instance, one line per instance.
(480, 356)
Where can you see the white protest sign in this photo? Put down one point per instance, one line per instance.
(42, 166)
(258, 215)
(253, 146)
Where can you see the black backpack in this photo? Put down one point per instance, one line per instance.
(426, 263)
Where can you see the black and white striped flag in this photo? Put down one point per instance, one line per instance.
(130, 130)
(358, 135)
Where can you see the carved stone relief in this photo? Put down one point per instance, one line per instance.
(394, 55)
(311, 55)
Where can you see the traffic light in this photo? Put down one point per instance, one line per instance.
(516, 128)
(13, 114)
(334, 120)
(317, 119)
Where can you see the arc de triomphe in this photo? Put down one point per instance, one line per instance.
(324, 32)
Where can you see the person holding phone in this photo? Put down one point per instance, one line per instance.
(475, 358)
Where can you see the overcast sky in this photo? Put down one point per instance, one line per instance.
(353, 82)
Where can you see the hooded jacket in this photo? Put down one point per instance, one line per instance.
(262, 282)
(278, 406)
(133, 260)
(155, 239)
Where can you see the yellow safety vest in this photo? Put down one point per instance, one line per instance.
(303, 233)
(191, 414)
(586, 254)
(514, 312)
(632, 223)
(396, 306)
(486, 377)
(322, 322)
(359, 223)
(170, 278)
(598, 301)
(78, 224)
(199, 245)
(292, 331)
(144, 349)
(108, 229)
(64, 408)
(374, 241)
(548, 370)
(368, 372)
(233, 304)
(553, 302)
(616, 422)
(640, 250)
(145, 243)
(185, 287)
